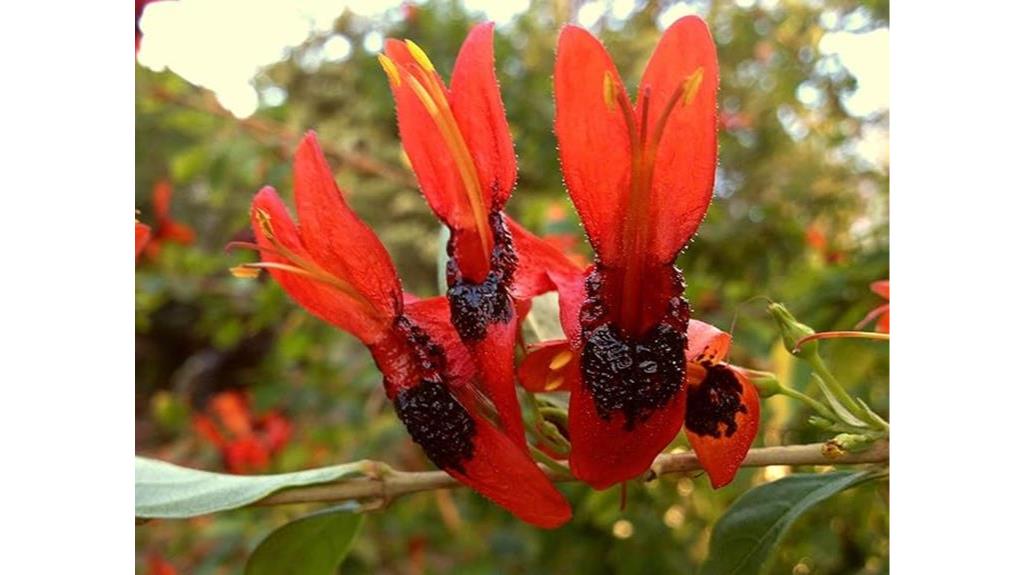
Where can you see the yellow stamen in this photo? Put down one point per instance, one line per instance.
(245, 271)
(692, 85)
(554, 384)
(609, 91)
(429, 91)
(559, 361)
(390, 69)
(419, 55)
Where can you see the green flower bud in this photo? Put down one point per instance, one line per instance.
(792, 331)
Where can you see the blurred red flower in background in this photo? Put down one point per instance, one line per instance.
(246, 442)
(165, 228)
(142, 233)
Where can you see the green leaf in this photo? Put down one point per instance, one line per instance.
(166, 490)
(313, 545)
(744, 539)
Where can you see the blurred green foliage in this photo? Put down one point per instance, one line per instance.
(798, 217)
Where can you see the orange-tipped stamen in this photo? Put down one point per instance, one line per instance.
(428, 89)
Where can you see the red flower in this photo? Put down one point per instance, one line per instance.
(641, 177)
(246, 442)
(722, 408)
(142, 234)
(881, 313)
(458, 141)
(334, 266)
(165, 228)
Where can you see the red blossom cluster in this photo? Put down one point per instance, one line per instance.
(246, 442)
(637, 367)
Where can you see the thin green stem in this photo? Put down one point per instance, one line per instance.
(836, 388)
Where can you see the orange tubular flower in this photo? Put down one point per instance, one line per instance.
(641, 177)
(246, 442)
(335, 267)
(458, 141)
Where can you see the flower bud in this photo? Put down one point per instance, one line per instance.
(792, 331)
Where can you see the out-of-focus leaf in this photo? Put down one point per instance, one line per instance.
(313, 545)
(744, 539)
(166, 490)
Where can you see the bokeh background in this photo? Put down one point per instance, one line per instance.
(232, 376)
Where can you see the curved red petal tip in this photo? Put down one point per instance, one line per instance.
(684, 169)
(504, 474)
(142, 235)
(721, 456)
(480, 114)
(545, 366)
(593, 138)
(883, 321)
(605, 453)
(706, 343)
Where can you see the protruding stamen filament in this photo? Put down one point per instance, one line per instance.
(296, 264)
(425, 84)
(390, 69)
(644, 141)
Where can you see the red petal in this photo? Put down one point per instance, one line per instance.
(684, 170)
(177, 232)
(721, 456)
(142, 235)
(881, 288)
(162, 200)
(434, 316)
(604, 453)
(336, 238)
(706, 343)
(436, 170)
(883, 321)
(539, 263)
(504, 474)
(477, 107)
(593, 140)
(494, 356)
(536, 372)
(320, 299)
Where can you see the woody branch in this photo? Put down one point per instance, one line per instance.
(386, 484)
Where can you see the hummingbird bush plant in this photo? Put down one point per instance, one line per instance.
(638, 386)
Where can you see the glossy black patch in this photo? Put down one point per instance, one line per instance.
(474, 306)
(635, 376)
(437, 423)
(714, 402)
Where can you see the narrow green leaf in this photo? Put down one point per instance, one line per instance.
(312, 545)
(744, 539)
(166, 490)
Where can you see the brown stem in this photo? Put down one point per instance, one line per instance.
(381, 491)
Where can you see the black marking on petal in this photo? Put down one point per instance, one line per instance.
(633, 376)
(714, 403)
(438, 423)
(474, 306)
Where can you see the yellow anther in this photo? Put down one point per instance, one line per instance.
(609, 91)
(692, 86)
(419, 55)
(245, 272)
(554, 384)
(263, 218)
(559, 361)
(390, 69)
